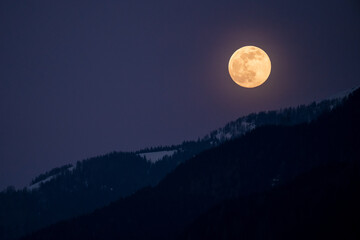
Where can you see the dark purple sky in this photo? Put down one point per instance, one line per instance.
(82, 78)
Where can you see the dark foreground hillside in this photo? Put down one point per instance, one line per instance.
(267, 162)
(72, 190)
(322, 204)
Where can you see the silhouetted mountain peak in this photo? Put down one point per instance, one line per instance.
(73, 190)
(292, 157)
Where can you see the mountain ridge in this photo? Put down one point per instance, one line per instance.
(104, 179)
(233, 169)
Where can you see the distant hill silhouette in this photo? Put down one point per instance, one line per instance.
(282, 168)
(70, 191)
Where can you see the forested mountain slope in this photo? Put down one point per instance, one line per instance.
(256, 163)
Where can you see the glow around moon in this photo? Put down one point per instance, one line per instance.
(249, 66)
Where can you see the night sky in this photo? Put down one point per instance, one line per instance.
(83, 78)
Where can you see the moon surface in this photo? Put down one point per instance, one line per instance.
(249, 66)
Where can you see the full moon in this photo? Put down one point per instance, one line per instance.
(249, 66)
